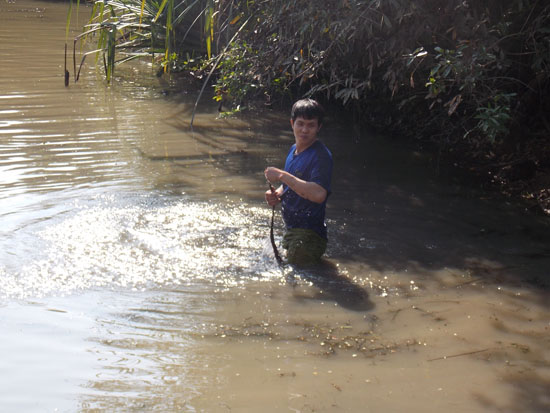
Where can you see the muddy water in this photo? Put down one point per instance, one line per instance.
(136, 272)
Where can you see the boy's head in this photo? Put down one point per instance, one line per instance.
(308, 109)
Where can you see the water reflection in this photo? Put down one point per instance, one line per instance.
(146, 353)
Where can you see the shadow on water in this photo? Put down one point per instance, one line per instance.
(331, 286)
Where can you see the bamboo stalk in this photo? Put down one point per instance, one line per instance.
(214, 68)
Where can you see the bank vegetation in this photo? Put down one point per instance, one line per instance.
(471, 78)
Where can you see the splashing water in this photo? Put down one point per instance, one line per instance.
(147, 244)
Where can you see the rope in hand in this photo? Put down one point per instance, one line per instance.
(271, 235)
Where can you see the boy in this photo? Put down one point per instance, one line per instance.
(305, 186)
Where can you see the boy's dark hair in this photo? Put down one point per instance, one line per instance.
(307, 109)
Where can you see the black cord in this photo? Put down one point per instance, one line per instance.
(271, 234)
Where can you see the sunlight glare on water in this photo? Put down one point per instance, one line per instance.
(146, 243)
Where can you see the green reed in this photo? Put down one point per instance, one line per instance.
(129, 29)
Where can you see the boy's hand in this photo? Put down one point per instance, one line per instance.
(272, 174)
(271, 197)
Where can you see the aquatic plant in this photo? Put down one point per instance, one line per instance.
(163, 31)
(139, 29)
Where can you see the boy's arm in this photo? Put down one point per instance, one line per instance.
(309, 190)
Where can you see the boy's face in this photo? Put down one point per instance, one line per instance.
(305, 131)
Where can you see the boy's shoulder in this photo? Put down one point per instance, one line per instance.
(322, 149)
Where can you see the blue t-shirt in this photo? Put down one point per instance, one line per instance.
(312, 165)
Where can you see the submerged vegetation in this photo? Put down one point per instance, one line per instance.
(472, 77)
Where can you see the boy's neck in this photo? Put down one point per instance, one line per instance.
(299, 149)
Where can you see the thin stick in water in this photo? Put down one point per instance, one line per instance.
(468, 353)
(66, 71)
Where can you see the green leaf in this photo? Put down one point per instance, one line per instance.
(434, 71)
(161, 8)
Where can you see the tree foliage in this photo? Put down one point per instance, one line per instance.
(468, 70)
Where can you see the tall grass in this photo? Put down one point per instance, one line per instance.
(124, 30)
